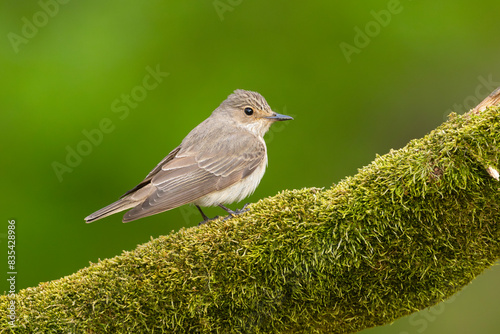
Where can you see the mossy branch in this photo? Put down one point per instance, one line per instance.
(406, 232)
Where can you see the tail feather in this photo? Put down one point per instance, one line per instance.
(120, 205)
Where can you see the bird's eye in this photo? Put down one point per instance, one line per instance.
(248, 111)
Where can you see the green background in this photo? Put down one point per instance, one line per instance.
(416, 65)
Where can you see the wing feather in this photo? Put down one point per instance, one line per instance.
(191, 174)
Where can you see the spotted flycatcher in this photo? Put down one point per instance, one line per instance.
(220, 161)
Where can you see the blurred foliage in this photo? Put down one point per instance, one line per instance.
(75, 59)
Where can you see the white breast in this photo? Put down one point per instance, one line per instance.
(237, 191)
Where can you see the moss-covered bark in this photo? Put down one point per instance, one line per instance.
(406, 232)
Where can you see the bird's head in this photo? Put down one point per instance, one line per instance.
(250, 110)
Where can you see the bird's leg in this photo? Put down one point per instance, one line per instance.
(235, 212)
(205, 217)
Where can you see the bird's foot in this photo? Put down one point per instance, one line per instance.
(205, 217)
(234, 213)
(208, 220)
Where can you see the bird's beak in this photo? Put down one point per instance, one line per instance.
(279, 117)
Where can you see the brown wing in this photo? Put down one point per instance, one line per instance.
(190, 175)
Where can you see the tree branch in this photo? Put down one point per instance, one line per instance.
(406, 232)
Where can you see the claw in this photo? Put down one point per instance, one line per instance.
(232, 213)
(205, 217)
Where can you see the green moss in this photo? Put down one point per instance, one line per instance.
(406, 232)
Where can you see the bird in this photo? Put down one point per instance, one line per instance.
(221, 161)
